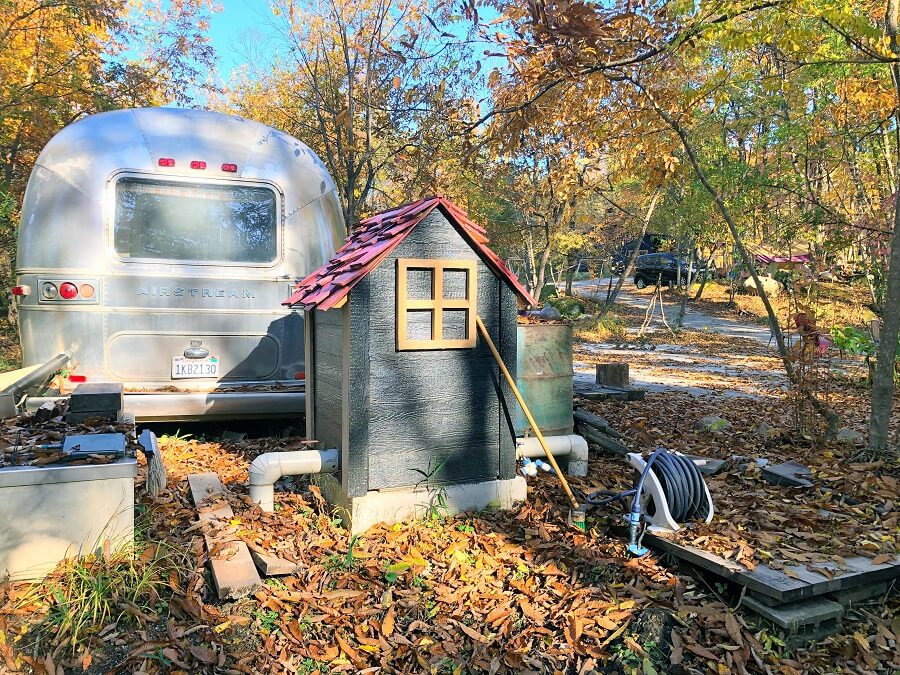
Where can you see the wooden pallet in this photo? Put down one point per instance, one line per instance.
(804, 606)
(775, 584)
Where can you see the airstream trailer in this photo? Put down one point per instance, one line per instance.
(155, 248)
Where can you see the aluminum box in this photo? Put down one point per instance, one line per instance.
(51, 513)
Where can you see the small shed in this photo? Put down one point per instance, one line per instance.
(395, 375)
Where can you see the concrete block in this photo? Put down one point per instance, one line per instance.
(233, 573)
(808, 635)
(396, 505)
(51, 513)
(272, 566)
(849, 597)
(97, 397)
(795, 615)
(613, 374)
(76, 418)
(788, 474)
(708, 466)
(233, 569)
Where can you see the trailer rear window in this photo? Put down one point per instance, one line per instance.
(196, 222)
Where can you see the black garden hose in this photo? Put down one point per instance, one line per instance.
(682, 483)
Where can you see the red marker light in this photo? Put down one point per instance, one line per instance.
(230, 168)
(166, 161)
(196, 164)
(299, 376)
(77, 378)
(21, 290)
(68, 291)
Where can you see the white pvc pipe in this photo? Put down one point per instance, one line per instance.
(268, 468)
(572, 445)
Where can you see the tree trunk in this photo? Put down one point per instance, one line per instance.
(705, 275)
(611, 295)
(883, 382)
(573, 264)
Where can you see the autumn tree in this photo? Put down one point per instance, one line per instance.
(371, 86)
(63, 59)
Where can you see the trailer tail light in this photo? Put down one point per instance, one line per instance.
(72, 290)
(196, 164)
(230, 168)
(166, 161)
(49, 291)
(68, 291)
(77, 378)
(21, 290)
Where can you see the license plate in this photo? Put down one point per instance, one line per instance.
(184, 368)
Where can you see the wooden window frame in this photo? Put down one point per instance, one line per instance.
(437, 304)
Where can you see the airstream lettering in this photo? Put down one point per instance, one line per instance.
(160, 243)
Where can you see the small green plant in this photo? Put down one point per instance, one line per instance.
(311, 666)
(84, 594)
(567, 306)
(305, 624)
(437, 504)
(275, 582)
(465, 527)
(268, 620)
(854, 341)
(346, 562)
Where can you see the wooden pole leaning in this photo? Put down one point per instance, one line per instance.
(534, 426)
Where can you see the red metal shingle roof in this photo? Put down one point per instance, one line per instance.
(373, 241)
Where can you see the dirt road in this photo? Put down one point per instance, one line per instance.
(740, 360)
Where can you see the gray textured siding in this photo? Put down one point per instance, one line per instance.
(328, 376)
(426, 412)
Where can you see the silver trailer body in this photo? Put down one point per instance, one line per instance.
(157, 245)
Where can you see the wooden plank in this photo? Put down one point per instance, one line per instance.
(309, 343)
(591, 420)
(604, 441)
(233, 571)
(771, 585)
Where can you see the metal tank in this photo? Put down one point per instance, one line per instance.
(544, 376)
(155, 248)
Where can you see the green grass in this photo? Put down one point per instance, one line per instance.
(610, 328)
(126, 586)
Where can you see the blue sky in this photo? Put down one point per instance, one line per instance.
(239, 24)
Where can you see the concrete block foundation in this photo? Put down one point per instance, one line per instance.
(395, 505)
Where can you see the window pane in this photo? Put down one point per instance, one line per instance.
(455, 284)
(418, 324)
(189, 221)
(420, 284)
(455, 324)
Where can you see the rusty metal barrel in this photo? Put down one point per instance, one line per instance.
(544, 376)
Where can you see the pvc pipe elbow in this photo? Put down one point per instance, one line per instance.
(268, 468)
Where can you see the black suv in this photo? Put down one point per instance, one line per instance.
(658, 266)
